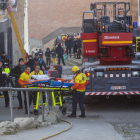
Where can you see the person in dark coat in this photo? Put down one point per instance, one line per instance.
(20, 68)
(48, 55)
(31, 63)
(40, 61)
(3, 83)
(68, 45)
(78, 48)
(75, 47)
(60, 52)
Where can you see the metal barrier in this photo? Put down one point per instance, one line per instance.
(27, 97)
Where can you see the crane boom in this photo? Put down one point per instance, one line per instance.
(11, 14)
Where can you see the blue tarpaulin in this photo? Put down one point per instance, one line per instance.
(54, 83)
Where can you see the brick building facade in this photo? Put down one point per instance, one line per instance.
(48, 16)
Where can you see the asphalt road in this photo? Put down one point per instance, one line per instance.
(116, 118)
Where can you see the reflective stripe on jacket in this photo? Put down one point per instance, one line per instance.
(80, 82)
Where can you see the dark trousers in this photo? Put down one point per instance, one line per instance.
(78, 55)
(19, 98)
(60, 56)
(25, 101)
(34, 97)
(68, 49)
(78, 97)
(48, 61)
(6, 96)
(74, 53)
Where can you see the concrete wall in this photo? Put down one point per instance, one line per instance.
(35, 44)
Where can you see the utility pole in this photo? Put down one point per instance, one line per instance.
(26, 40)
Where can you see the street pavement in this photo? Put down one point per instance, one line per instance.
(116, 118)
(89, 128)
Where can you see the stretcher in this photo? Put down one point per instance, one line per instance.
(56, 88)
(54, 83)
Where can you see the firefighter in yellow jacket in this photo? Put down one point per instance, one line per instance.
(24, 77)
(80, 82)
(37, 71)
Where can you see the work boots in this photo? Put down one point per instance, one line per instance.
(82, 116)
(7, 105)
(72, 115)
(20, 107)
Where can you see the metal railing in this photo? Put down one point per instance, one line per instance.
(27, 98)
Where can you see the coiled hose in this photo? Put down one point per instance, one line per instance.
(58, 132)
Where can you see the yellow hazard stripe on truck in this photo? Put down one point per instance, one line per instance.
(116, 42)
(90, 40)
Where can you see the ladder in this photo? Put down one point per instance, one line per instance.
(11, 14)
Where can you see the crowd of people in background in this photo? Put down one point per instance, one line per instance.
(73, 45)
(51, 55)
(73, 48)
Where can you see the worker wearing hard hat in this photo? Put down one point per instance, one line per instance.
(80, 82)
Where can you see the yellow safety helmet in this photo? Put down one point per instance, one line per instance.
(75, 69)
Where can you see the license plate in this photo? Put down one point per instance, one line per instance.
(117, 87)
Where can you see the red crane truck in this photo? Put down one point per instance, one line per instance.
(108, 37)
